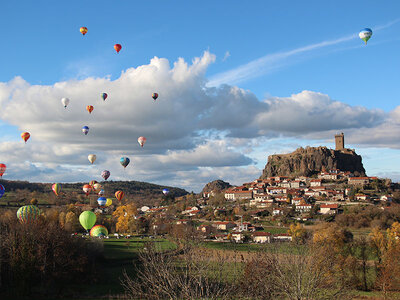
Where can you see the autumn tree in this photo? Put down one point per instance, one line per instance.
(71, 222)
(125, 216)
(297, 232)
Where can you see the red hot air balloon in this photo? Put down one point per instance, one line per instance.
(119, 195)
(117, 47)
(25, 136)
(83, 30)
(3, 168)
(141, 140)
(89, 108)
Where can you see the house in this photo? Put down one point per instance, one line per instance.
(282, 237)
(303, 207)
(329, 176)
(358, 181)
(261, 237)
(190, 210)
(315, 182)
(361, 197)
(277, 211)
(297, 200)
(224, 225)
(276, 190)
(386, 198)
(205, 229)
(238, 237)
(327, 209)
(183, 222)
(238, 195)
(221, 237)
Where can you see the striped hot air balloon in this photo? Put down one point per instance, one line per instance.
(25, 136)
(119, 195)
(28, 213)
(56, 188)
(98, 230)
(105, 174)
(89, 108)
(102, 201)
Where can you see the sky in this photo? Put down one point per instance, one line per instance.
(237, 81)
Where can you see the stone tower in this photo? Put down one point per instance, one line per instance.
(339, 141)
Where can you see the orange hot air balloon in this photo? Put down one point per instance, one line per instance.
(89, 108)
(117, 47)
(25, 136)
(87, 189)
(83, 30)
(119, 195)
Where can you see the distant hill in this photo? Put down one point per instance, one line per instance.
(142, 193)
(216, 186)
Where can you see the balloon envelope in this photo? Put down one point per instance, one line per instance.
(101, 192)
(141, 140)
(124, 161)
(109, 202)
(92, 183)
(2, 190)
(87, 219)
(97, 187)
(3, 168)
(92, 158)
(65, 102)
(89, 108)
(25, 136)
(56, 188)
(102, 201)
(165, 191)
(85, 130)
(87, 189)
(83, 30)
(117, 47)
(28, 213)
(119, 195)
(98, 230)
(365, 34)
(154, 96)
(105, 174)
(104, 96)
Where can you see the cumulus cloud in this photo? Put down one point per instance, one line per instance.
(192, 129)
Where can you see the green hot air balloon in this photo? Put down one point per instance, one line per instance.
(99, 230)
(28, 213)
(87, 219)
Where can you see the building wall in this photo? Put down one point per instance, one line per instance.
(339, 141)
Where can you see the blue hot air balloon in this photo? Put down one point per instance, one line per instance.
(165, 191)
(124, 161)
(85, 130)
(102, 201)
(2, 190)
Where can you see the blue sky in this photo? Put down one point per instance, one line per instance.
(281, 45)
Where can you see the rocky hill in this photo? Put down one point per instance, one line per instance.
(216, 186)
(311, 160)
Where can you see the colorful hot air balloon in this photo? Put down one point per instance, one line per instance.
(141, 140)
(154, 96)
(117, 47)
(98, 230)
(25, 136)
(85, 130)
(56, 188)
(365, 34)
(89, 108)
(124, 161)
(102, 201)
(165, 191)
(97, 187)
(28, 213)
(101, 192)
(119, 195)
(104, 96)
(87, 189)
(2, 190)
(87, 219)
(92, 183)
(83, 30)
(3, 168)
(105, 174)
(109, 202)
(65, 102)
(92, 158)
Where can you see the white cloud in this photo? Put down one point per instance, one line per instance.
(226, 56)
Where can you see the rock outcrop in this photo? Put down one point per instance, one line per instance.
(311, 160)
(216, 186)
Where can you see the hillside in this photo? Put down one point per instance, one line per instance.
(311, 160)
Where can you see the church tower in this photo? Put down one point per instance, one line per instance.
(339, 141)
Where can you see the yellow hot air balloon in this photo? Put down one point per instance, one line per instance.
(83, 30)
(109, 202)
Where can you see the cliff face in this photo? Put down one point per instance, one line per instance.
(311, 160)
(216, 186)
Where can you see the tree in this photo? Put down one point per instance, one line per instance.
(71, 222)
(124, 215)
(297, 232)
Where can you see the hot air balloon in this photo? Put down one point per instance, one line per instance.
(92, 158)
(87, 219)
(109, 202)
(104, 96)
(25, 136)
(97, 187)
(56, 188)
(65, 102)
(3, 168)
(365, 34)
(141, 140)
(87, 189)
(83, 30)
(2, 190)
(28, 213)
(165, 191)
(92, 183)
(98, 231)
(154, 96)
(101, 192)
(117, 47)
(85, 130)
(119, 195)
(105, 174)
(124, 161)
(89, 108)
(102, 201)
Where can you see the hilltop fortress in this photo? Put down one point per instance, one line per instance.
(312, 160)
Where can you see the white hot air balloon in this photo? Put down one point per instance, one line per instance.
(141, 140)
(65, 102)
(92, 158)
